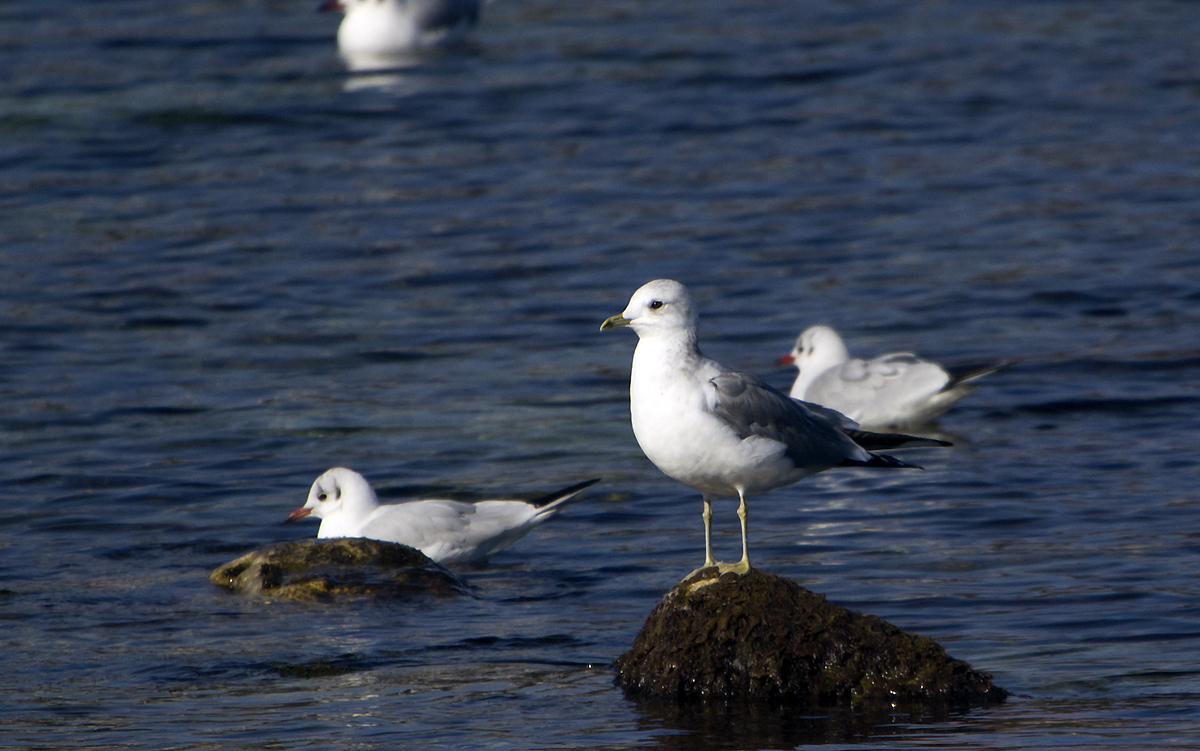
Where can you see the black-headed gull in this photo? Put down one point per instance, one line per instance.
(723, 432)
(446, 531)
(377, 30)
(895, 390)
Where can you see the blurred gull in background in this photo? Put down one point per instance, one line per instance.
(384, 33)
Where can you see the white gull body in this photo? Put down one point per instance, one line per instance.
(374, 33)
(896, 390)
(722, 432)
(447, 531)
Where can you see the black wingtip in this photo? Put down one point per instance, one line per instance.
(884, 441)
(961, 374)
(881, 461)
(570, 490)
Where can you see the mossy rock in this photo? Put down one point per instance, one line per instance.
(321, 570)
(761, 637)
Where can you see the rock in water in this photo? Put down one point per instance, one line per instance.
(761, 637)
(325, 569)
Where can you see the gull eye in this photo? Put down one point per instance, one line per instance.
(322, 497)
(656, 304)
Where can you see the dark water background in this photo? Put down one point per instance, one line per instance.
(226, 265)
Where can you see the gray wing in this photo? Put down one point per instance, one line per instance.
(830, 414)
(752, 408)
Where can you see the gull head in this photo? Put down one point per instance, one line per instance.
(660, 307)
(338, 492)
(816, 350)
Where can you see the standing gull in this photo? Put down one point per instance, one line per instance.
(446, 531)
(890, 391)
(723, 432)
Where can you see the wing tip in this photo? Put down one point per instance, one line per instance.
(881, 461)
(563, 494)
(964, 375)
(873, 441)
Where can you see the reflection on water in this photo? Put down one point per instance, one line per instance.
(717, 727)
(375, 79)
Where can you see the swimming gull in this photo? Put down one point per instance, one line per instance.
(373, 32)
(446, 531)
(723, 432)
(895, 390)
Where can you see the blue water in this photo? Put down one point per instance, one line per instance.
(226, 264)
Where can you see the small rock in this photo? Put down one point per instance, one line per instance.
(326, 569)
(761, 637)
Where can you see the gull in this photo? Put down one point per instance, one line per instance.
(722, 432)
(448, 532)
(891, 391)
(373, 32)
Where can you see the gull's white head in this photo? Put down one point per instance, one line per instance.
(341, 497)
(662, 307)
(816, 350)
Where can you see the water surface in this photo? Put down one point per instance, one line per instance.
(226, 264)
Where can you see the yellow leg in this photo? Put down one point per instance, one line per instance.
(707, 514)
(709, 561)
(743, 566)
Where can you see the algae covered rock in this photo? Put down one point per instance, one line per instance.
(761, 637)
(326, 569)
